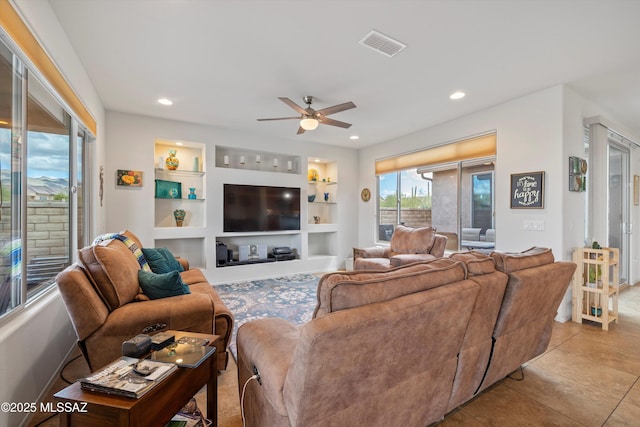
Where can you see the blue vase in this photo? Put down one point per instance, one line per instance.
(192, 193)
(326, 197)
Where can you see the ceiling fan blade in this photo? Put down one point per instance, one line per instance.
(300, 131)
(336, 108)
(332, 122)
(293, 105)
(279, 118)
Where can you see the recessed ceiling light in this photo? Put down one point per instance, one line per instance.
(457, 95)
(179, 143)
(354, 137)
(165, 101)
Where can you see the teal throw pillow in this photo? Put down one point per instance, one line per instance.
(161, 260)
(162, 285)
(174, 264)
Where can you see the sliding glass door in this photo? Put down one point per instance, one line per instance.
(618, 218)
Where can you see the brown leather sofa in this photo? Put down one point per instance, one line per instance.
(407, 245)
(106, 305)
(403, 346)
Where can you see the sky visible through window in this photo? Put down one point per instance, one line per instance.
(48, 154)
(410, 179)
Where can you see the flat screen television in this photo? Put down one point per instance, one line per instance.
(260, 208)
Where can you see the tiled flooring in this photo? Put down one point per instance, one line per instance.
(587, 377)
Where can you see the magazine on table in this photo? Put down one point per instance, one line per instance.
(128, 377)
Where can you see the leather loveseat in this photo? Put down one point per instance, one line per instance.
(106, 304)
(403, 346)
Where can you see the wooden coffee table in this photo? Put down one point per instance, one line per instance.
(155, 408)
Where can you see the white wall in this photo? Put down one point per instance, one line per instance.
(36, 341)
(528, 129)
(131, 138)
(576, 108)
(537, 132)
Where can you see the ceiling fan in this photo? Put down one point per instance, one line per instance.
(310, 118)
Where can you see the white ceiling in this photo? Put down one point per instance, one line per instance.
(225, 62)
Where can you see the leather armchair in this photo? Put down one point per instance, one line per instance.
(407, 245)
(106, 307)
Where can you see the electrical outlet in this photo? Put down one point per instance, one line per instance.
(533, 225)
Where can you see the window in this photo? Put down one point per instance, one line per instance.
(449, 187)
(42, 162)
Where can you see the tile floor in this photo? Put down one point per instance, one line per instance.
(587, 377)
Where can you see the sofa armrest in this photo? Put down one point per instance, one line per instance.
(183, 262)
(372, 252)
(439, 245)
(268, 345)
(404, 259)
(193, 312)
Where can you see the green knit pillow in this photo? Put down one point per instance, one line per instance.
(162, 285)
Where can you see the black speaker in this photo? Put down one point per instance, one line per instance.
(221, 254)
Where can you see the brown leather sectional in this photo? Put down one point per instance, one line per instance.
(403, 346)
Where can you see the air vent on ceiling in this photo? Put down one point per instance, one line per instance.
(382, 44)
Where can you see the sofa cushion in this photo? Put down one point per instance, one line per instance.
(113, 271)
(163, 285)
(509, 262)
(344, 290)
(406, 240)
(404, 259)
(477, 263)
(161, 260)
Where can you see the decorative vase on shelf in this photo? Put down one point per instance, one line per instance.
(172, 161)
(326, 197)
(192, 193)
(179, 214)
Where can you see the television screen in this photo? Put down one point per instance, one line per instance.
(260, 208)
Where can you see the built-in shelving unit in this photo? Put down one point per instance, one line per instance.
(243, 159)
(322, 184)
(187, 240)
(315, 245)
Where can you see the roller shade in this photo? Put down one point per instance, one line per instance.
(12, 23)
(472, 148)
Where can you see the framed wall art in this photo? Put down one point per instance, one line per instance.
(128, 178)
(527, 190)
(577, 174)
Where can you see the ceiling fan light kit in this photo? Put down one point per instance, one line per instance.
(308, 123)
(310, 118)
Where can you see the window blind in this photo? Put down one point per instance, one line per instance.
(12, 23)
(470, 148)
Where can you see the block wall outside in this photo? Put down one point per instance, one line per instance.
(47, 228)
(410, 217)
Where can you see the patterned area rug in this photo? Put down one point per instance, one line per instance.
(292, 298)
